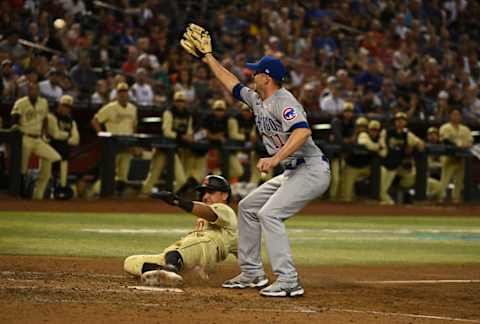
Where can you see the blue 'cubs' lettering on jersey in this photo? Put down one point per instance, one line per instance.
(267, 125)
(289, 113)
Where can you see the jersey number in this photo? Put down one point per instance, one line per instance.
(276, 141)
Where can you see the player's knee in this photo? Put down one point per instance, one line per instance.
(266, 215)
(244, 204)
(133, 265)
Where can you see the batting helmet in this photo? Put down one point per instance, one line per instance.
(215, 183)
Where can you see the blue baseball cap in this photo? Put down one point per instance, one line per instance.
(269, 65)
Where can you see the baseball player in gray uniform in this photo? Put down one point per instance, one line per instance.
(282, 123)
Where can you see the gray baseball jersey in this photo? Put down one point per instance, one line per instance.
(267, 207)
(276, 118)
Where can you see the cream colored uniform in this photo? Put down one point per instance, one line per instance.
(352, 174)
(199, 248)
(434, 186)
(119, 120)
(453, 168)
(31, 124)
(387, 176)
(183, 156)
(234, 133)
(72, 138)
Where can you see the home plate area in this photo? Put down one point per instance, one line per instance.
(83, 290)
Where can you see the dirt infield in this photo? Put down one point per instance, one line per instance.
(35, 289)
(318, 207)
(74, 290)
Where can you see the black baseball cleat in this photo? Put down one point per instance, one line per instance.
(243, 281)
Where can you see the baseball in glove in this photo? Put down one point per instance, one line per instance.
(196, 41)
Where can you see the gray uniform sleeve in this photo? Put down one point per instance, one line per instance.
(250, 97)
(291, 114)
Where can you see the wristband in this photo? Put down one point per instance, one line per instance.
(185, 204)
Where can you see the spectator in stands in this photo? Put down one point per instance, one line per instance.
(471, 104)
(63, 131)
(29, 115)
(8, 80)
(130, 65)
(83, 76)
(102, 93)
(242, 131)
(177, 125)
(216, 123)
(399, 144)
(343, 135)
(119, 118)
(358, 163)
(442, 108)
(15, 50)
(119, 78)
(387, 98)
(50, 88)
(73, 7)
(435, 45)
(332, 104)
(434, 189)
(103, 53)
(141, 92)
(184, 83)
(309, 100)
(143, 46)
(455, 134)
(431, 81)
(369, 104)
(201, 85)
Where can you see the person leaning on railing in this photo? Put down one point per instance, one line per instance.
(358, 163)
(119, 118)
(177, 125)
(63, 131)
(29, 115)
(459, 136)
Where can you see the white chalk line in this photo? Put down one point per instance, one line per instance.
(10, 276)
(307, 309)
(442, 318)
(298, 309)
(436, 281)
(74, 274)
(403, 231)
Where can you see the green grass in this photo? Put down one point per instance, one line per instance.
(315, 240)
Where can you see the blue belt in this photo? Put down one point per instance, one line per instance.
(294, 164)
(297, 162)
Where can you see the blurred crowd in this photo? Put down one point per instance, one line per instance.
(419, 57)
(375, 58)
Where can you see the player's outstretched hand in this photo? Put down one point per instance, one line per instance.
(189, 48)
(167, 196)
(197, 37)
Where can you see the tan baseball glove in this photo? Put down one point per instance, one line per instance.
(196, 41)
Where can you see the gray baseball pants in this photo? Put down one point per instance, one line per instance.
(267, 207)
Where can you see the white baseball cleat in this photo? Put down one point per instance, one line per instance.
(283, 289)
(162, 278)
(243, 281)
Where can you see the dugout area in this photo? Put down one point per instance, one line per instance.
(73, 287)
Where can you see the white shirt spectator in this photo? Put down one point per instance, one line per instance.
(142, 94)
(332, 105)
(472, 111)
(189, 91)
(73, 7)
(50, 91)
